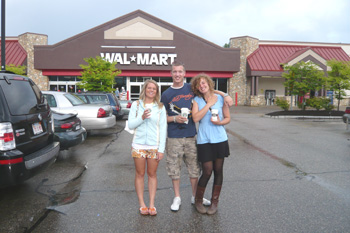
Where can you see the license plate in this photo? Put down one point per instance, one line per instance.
(37, 128)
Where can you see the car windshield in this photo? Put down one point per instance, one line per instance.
(97, 99)
(74, 100)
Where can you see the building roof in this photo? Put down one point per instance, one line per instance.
(139, 42)
(14, 53)
(269, 57)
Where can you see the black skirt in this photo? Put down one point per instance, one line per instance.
(212, 151)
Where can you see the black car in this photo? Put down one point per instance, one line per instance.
(68, 129)
(103, 98)
(27, 140)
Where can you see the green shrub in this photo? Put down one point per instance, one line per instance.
(329, 107)
(315, 103)
(320, 103)
(282, 103)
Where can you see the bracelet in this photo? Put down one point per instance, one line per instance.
(226, 94)
(174, 119)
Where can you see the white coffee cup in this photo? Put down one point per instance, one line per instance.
(214, 114)
(184, 113)
(149, 108)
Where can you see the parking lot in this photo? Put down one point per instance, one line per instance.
(283, 175)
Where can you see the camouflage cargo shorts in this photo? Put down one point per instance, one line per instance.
(178, 150)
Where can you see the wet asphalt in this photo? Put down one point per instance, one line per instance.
(279, 177)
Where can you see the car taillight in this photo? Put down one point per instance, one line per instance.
(347, 110)
(7, 139)
(67, 125)
(101, 113)
(128, 105)
(52, 123)
(11, 161)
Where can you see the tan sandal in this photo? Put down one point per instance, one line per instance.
(144, 211)
(152, 211)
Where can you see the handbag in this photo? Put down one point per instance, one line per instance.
(131, 131)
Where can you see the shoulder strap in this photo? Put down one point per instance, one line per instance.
(137, 107)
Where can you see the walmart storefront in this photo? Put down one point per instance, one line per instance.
(144, 48)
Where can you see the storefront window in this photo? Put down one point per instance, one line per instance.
(62, 88)
(66, 78)
(71, 88)
(53, 87)
(221, 84)
(53, 78)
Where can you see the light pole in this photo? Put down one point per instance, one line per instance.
(3, 36)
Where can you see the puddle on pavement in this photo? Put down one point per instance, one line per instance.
(61, 197)
(62, 193)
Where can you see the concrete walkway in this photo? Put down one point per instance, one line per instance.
(262, 109)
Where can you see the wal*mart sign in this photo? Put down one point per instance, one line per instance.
(140, 58)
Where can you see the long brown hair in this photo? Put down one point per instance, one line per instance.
(143, 92)
(196, 80)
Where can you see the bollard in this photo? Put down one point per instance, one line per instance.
(347, 123)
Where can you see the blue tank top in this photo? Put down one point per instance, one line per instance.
(207, 131)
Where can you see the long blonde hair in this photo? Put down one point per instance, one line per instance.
(143, 92)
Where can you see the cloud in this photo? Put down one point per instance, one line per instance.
(216, 21)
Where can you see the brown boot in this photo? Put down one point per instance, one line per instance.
(214, 199)
(199, 200)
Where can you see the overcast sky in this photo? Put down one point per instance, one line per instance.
(214, 20)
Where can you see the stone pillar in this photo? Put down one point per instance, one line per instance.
(28, 40)
(239, 81)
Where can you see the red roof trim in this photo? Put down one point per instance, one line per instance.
(133, 73)
(14, 53)
(270, 57)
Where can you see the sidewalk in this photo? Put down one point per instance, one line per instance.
(253, 109)
(263, 110)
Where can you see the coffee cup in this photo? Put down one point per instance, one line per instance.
(214, 114)
(184, 113)
(149, 108)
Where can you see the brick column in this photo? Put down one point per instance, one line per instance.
(239, 81)
(28, 40)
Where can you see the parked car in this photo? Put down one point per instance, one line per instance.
(103, 98)
(346, 115)
(126, 105)
(92, 116)
(68, 129)
(27, 140)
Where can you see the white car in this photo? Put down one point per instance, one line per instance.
(92, 116)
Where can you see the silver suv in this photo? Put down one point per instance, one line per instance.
(27, 141)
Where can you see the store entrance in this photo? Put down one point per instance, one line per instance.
(136, 87)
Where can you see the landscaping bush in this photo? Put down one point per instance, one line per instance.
(315, 103)
(320, 103)
(282, 103)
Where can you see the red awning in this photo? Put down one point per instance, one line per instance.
(138, 73)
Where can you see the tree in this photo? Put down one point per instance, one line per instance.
(21, 70)
(226, 45)
(338, 78)
(303, 77)
(98, 75)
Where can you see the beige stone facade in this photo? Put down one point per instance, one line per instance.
(27, 41)
(238, 84)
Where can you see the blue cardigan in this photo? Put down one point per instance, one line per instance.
(151, 131)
